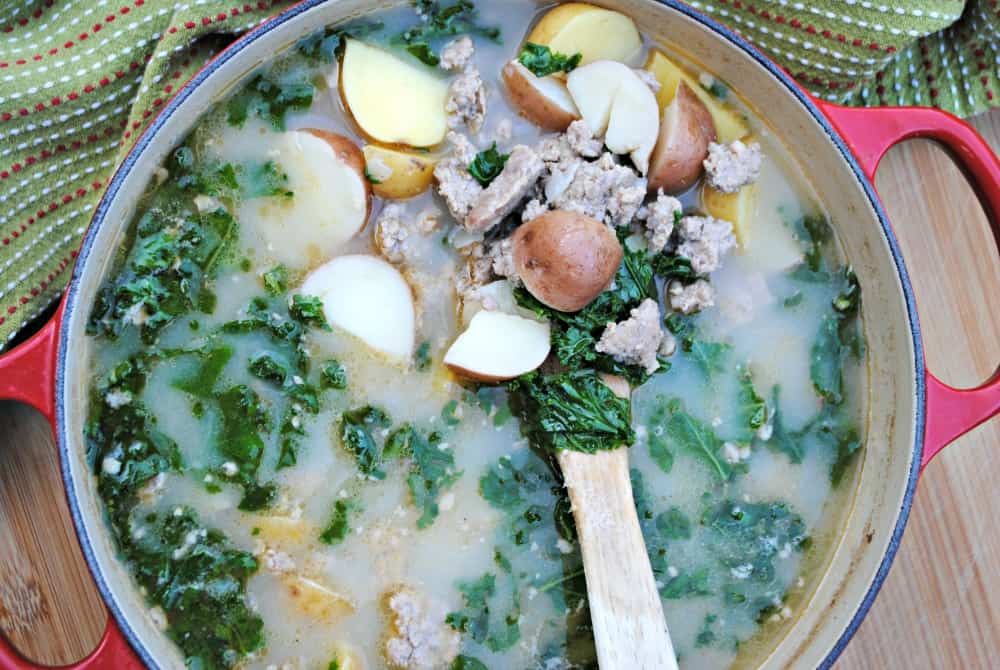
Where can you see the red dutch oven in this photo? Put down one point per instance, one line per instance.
(912, 415)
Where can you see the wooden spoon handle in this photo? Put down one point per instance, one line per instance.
(629, 627)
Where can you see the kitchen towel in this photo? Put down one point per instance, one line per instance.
(80, 79)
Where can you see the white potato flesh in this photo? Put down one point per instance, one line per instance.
(498, 346)
(368, 298)
(328, 206)
(634, 123)
(593, 88)
(393, 101)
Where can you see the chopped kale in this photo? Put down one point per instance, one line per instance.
(659, 448)
(826, 361)
(573, 410)
(202, 380)
(448, 414)
(752, 407)
(276, 280)
(670, 268)
(683, 432)
(308, 310)
(265, 366)
(707, 636)
(200, 581)
(239, 440)
(164, 273)
(482, 618)
(687, 585)
(836, 432)
(326, 45)
(711, 357)
(432, 472)
(423, 356)
(487, 165)
(400, 442)
(783, 440)
(438, 22)
(674, 524)
(747, 537)
(332, 375)
(463, 662)
(339, 526)
(542, 62)
(356, 436)
(270, 99)
(263, 180)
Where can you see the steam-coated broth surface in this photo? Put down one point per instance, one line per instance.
(320, 419)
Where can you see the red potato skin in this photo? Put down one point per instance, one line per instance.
(686, 130)
(351, 154)
(565, 259)
(531, 104)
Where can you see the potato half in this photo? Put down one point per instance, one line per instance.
(594, 32)
(399, 174)
(566, 259)
(685, 133)
(544, 101)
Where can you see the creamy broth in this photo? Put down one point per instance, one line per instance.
(321, 591)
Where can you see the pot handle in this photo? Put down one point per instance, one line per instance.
(870, 133)
(113, 652)
(28, 375)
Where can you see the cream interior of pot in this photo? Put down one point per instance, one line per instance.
(869, 516)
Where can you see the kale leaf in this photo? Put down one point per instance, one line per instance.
(339, 526)
(686, 433)
(782, 440)
(711, 357)
(487, 165)
(752, 407)
(326, 45)
(263, 180)
(204, 377)
(748, 537)
(439, 21)
(573, 410)
(432, 472)
(333, 375)
(271, 99)
(463, 662)
(356, 428)
(308, 310)
(276, 280)
(542, 61)
(480, 618)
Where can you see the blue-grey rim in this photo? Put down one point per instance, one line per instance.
(149, 137)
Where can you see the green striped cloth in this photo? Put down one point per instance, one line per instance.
(80, 79)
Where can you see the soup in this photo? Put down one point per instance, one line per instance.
(381, 284)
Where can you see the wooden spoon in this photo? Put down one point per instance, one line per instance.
(629, 627)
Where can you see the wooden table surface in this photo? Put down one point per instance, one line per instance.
(939, 608)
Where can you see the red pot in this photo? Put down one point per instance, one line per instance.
(912, 417)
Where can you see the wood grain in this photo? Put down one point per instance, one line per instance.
(938, 608)
(629, 627)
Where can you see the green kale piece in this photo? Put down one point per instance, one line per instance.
(747, 537)
(463, 662)
(267, 367)
(201, 382)
(542, 62)
(200, 581)
(125, 448)
(683, 432)
(276, 280)
(263, 180)
(308, 310)
(783, 440)
(711, 357)
(753, 411)
(332, 375)
(340, 523)
(448, 414)
(271, 99)
(356, 436)
(835, 431)
(163, 274)
(326, 45)
(707, 636)
(573, 410)
(239, 441)
(487, 165)
(672, 268)
(482, 618)
(423, 356)
(432, 472)
(440, 21)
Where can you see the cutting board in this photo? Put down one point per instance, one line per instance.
(938, 609)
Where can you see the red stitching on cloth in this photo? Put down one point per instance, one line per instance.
(52, 206)
(36, 290)
(89, 88)
(37, 14)
(60, 148)
(67, 45)
(222, 16)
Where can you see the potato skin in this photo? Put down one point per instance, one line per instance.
(411, 173)
(565, 259)
(349, 153)
(531, 103)
(686, 129)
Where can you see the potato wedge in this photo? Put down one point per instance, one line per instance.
(398, 175)
(594, 32)
(566, 259)
(737, 208)
(729, 124)
(498, 346)
(685, 133)
(544, 101)
(391, 100)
